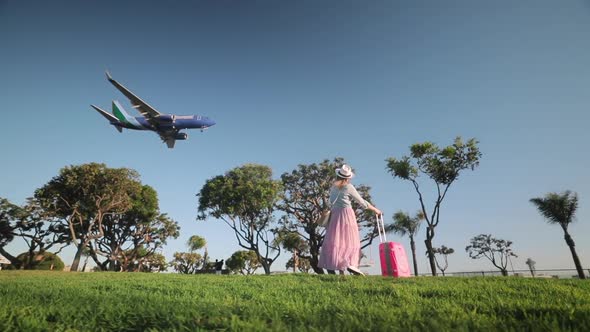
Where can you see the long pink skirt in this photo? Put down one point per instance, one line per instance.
(341, 247)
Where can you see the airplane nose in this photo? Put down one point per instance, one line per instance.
(211, 123)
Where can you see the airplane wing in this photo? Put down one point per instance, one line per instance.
(169, 137)
(141, 106)
(170, 142)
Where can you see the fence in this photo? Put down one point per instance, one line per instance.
(549, 273)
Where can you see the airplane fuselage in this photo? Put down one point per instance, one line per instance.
(175, 122)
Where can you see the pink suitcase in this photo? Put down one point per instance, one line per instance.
(394, 261)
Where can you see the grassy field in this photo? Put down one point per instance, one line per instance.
(61, 301)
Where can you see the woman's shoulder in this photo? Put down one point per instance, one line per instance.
(348, 187)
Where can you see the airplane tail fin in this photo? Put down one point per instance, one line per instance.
(120, 113)
(113, 120)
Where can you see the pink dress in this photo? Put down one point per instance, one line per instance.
(341, 247)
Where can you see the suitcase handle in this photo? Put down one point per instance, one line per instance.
(381, 228)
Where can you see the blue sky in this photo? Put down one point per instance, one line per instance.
(293, 83)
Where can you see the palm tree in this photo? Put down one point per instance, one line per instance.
(531, 263)
(560, 209)
(195, 243)
(404, 224)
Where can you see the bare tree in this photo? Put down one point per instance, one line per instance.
(443, 251)
(496, 251)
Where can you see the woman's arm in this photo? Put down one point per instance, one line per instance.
(357, 197)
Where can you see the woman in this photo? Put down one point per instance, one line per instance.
(342, 246)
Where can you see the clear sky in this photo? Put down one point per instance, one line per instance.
(296, 82)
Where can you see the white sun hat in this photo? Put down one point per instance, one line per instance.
(344, 172)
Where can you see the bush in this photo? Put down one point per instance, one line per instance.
(44, 261)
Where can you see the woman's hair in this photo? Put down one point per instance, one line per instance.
(340, 181)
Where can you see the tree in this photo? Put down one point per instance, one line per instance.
(41, 261)
(186, 262)
(306, 196)
(443, 167)
(83, 195)
(404, 224)
(531, 264)
(444, 251)
(298, 264)
(244, 198)
(560, 209)
(86, 254)
(134, 236)
(196, 242)
(33, 226)
(154, 263)
(39, 231)
(295, 244)
(8, 216)
(244, 262)
(484, 245)
(190, 262)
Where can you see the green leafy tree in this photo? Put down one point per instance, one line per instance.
(244, 262)
(406, 225)
(244, 198)
(560, 209)
(497, 251)
(9, 214)
(39, 231)
(186, 262)
(155, 263)
(148, 262)
(41, 261)
(298, 264)
(196, 242)
(295, 244)
(132, 237)
(443, 167)
(83, 195)
(444, 252)
(306, 196)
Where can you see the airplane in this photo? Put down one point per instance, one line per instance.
(168, 126)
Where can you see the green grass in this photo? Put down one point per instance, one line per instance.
(63, 301)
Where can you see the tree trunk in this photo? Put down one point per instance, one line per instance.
(85, 262)
(413, 248)
(572, 245)
(428, 242)
(504, 272)
(314, 260)
(76, 262)
(265, 266)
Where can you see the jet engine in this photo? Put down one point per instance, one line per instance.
(181, 136)
(167, 118)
